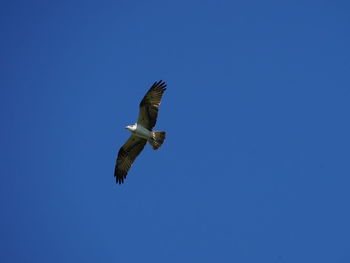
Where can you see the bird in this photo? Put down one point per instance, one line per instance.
(141, 131)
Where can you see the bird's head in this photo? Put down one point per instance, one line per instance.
(130, 127)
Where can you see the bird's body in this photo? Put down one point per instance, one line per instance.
(141, 132)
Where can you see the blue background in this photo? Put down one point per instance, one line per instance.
(255, 167)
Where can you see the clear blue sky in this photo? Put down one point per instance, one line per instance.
(255, 167)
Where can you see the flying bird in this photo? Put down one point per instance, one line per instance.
(141, 131)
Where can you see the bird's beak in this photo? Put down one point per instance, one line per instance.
(126, 127)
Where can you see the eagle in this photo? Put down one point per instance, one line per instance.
(141, 131)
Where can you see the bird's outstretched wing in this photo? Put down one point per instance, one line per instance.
(149, 105)
(126, 156)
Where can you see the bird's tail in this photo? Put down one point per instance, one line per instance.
(157, 139)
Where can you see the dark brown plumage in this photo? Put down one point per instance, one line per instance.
(147, 119)
(126, 156)
(150, 104)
